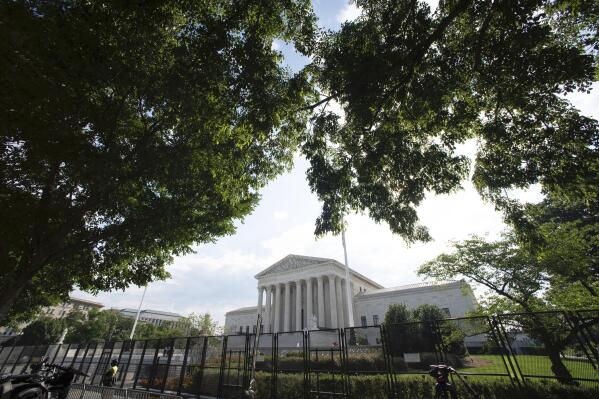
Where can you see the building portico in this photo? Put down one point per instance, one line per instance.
(308, 293)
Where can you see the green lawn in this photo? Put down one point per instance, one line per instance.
(529, 365)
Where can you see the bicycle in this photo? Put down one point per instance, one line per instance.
(444, 389)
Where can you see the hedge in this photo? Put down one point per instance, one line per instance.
(291, 386)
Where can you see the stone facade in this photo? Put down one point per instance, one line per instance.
(55, 312)
(156, 317)
(303, 292)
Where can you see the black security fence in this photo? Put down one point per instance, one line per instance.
(517, 349)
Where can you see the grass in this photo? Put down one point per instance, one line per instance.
(529, 365)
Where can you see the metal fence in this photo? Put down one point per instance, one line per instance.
(83, 391)
(516, 348)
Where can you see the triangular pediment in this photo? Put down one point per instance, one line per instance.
(293, 262)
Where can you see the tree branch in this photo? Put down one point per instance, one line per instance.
(315, 105)
(420, 52)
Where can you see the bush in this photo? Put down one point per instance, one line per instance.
(290, 386)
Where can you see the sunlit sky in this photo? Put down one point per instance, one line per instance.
(220, 277)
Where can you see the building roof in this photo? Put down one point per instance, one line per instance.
(86, 302)
(150, 311)
(247, 309)
(293, 262)
(412, 287)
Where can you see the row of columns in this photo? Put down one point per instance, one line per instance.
(270, 295)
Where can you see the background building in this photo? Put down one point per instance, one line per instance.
(304, 292)
(156, 317)
(55, 312)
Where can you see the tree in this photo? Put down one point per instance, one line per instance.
(414, 84)
(203, 324)
(43, 331)
(562, 231)
(415, 330)
(517, 282)
(397, 313)
(97, 325)
(131, 131)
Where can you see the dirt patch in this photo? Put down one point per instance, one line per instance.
(476, 362)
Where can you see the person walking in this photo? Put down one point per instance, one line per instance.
(109, 376)
(109, 379)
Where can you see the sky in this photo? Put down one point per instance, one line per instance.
(219, 277)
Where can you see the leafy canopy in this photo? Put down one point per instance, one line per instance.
(415, 84)
(131, 131)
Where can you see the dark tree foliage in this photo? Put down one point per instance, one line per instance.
(131, 130)
(563, 233)
(420, 330)
(415, 84)
(43, 331)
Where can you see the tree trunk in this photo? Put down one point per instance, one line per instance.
(10, 294)
(558, 367)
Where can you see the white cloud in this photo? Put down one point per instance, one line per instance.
(280, 215)
(276, 45)
(348, 13)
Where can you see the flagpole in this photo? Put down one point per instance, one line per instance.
(138, 311)
(348, 295)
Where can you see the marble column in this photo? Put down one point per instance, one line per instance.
(333, 301)
(267, 319)
(320, 301)
(277, 303)
(339, 293)
(298, 305)
(287, 313)
(309, 311)
(260, 292)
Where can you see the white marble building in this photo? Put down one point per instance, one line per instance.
(304, 292)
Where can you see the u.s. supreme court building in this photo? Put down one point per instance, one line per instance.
(304, 292)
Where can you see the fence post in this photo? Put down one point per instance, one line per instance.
(388, 361)
(222, 367)
(90, 364)
(93, 377)
(12, 348)
(275, 364)
(203, 363)
(502, 350)
(75, 355)
(168, 364)
(154, 365)
(344, 368)
(81, 362)
(184, 365)
(131, 347)
(511, 356)
(140, 364)
(12, 370)
(438, 343)
(584, 344)
(306, 356)
(56, 353)
(588, 338)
